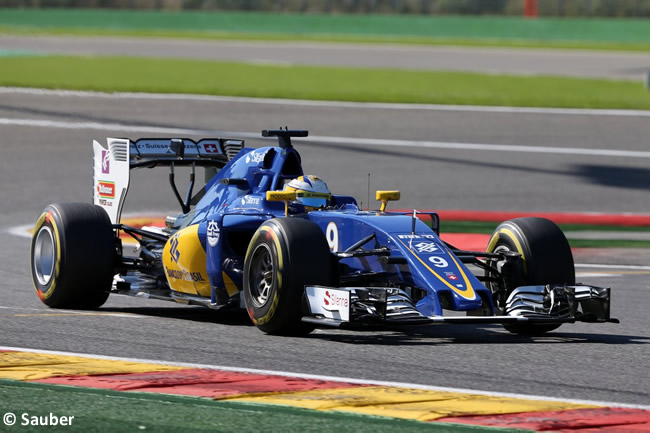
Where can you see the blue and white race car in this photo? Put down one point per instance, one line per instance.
(263, 236)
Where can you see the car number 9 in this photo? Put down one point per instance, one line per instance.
(332, 235)
(438, 262)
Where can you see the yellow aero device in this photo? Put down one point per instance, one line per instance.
(285, 196)
(386, 196)
(184, 261)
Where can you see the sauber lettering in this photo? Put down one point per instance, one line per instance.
(196, 277)
(332, 301)
(106, 189)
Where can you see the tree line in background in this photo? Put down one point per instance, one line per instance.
(568, 8)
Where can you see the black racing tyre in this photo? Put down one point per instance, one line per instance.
(73, 256)
(284, 255)
(547, 258)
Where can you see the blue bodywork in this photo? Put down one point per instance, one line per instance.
(235, 205)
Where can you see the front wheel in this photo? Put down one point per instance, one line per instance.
(284, 256)
(72, 256)
(546, 259)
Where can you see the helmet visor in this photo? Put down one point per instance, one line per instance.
(313, 199)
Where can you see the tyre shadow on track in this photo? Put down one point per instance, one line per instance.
(230, 317)
(432, 335)
(617, 176)
(473, 335)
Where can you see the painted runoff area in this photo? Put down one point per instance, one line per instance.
(144, 395)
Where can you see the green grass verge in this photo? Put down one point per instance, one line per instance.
(488, 227)
(480, 227)
(317, 83)
(97, 410)
(612, 34)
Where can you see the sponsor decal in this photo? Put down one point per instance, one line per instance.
(104, 202)
(333, 301)
(426, 247)
(173, 249)
(255, 157)
(451, 276)
(328, 302)
(195, 277)
(417, 236)
(213, 233)
(250, 200)
(211, 148)
(106, 162)
(152, 146)
(106, 189)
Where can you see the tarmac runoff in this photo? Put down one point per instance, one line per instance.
(106, 393)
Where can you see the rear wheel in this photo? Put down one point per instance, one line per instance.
(284, 255)
(72, 256)
(546, 259)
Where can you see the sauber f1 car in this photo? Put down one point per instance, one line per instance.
(246, 241)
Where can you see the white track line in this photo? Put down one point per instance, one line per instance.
(331, 378)
(63, 312)
(597, 266)
(489, 147)
(21, 231)
(338, 104)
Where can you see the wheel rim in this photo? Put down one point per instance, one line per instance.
(262, 276)
(44, 255)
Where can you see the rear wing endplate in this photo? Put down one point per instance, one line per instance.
(114, 160)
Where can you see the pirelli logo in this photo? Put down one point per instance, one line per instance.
(106, 189)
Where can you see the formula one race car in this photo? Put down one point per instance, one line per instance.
(261, 235)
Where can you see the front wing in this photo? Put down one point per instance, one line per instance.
(349, 307)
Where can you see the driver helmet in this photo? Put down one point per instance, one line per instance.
(310, 190)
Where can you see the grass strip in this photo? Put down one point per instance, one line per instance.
(594, 33)
(109, 411)
(317, 83)
(480, 227)
(488, 227)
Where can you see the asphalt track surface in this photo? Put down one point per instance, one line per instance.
(45, 156)
(574, 63)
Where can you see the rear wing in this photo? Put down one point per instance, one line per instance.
(114, 160)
